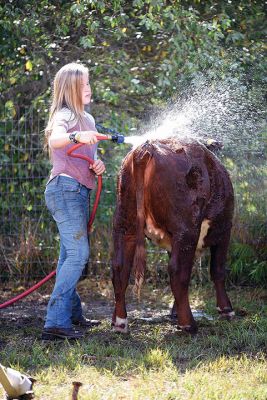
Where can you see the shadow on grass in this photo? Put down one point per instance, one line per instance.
(153, 343)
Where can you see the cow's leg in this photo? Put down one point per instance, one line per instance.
(173, 313)
(180, 267)
(121, 268)
(218, 274)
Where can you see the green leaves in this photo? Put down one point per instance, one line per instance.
(173, 41)
(86, 42)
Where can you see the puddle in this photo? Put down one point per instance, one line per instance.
(158, 317)
(198, 314)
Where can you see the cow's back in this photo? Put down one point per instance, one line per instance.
(182, 184)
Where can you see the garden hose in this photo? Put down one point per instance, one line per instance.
(114, 137)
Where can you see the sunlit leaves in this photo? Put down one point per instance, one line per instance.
(86, 42)
(28, 65)
(171, 41)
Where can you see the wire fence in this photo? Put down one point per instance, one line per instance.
(28, 236)
(29, 241)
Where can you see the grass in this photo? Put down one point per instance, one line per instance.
(225, 360)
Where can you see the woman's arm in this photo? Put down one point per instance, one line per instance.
(60, 138)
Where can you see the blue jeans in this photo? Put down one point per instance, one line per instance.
(67, 200)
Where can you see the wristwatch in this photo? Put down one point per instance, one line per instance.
(72, 137)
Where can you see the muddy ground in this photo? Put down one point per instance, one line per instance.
(97, 301)
(25, 319)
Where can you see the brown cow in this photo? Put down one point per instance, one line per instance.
(179, 195)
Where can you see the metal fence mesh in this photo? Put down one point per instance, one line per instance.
(28, 235)
(29, 240)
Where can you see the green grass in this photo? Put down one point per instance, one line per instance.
(225, 360)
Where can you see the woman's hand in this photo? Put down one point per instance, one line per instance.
(98, 167)
(87, 137)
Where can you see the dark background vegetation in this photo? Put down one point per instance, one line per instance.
(140, 55)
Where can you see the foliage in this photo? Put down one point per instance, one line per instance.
(248, 251)
(135, 50)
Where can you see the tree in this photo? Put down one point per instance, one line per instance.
(139, 53)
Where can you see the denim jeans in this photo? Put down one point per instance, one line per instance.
(67, 200)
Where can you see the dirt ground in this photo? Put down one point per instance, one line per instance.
(152, 333)
(97, 301)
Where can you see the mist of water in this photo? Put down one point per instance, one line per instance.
(225, 111)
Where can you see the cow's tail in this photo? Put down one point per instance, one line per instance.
(139, 262)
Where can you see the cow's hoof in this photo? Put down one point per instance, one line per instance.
(120, 329)
(227, 313)
(120, 325)
(191, 329)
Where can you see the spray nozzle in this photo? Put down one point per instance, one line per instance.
(110, 134)
(114, 138)
(117, 138)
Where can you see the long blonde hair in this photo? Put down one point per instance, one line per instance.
(67, 93)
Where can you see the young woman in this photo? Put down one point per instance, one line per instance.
(67, 195)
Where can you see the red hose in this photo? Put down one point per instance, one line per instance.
(99, 178)
(91, 220)
(27, 292)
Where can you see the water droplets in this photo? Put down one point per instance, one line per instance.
(224, 111)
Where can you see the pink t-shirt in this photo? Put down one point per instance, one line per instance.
(64, 164)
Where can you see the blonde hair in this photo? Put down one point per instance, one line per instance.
(67, 93)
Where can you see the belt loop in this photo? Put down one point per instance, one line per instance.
(57, 179)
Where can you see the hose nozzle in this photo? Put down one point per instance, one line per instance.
(117, 138)
(110, 134)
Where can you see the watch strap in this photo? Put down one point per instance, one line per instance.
(72, 137)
